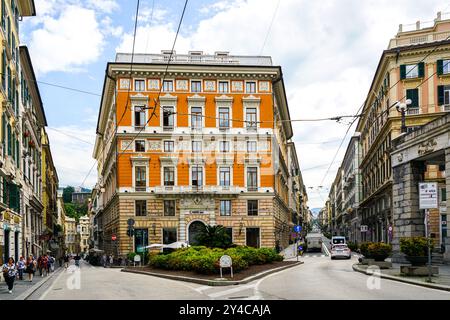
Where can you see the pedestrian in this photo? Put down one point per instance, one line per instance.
(111, 260)
(77, 260)
(9, 273)
(66, 261)
(104, 260)
(60, 260)
(51, 264)
(21, 267)
(31, 267)
(45, 265)
(40, 264)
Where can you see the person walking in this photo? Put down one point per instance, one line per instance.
(31, 267)
(104, 260)
(111, 261)
(9, 273)
(45, 265)
(66, 261)
(21, 267)
(51, 264)
(40, 264)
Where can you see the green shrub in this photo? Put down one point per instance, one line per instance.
(415, 246)
(379, 251)
(363, 247)
(352, 246)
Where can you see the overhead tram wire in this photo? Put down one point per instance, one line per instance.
(164, 76)
(129, 88)
(387, 110)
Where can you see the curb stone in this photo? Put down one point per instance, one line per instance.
(400, 279)
(215, 282)
(33, 289)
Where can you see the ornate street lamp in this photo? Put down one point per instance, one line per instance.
(402, 107)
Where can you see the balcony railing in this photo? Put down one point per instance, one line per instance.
(413, 111)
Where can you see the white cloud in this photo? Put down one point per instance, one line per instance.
(107, 6)
(328, 49)
(68, 42)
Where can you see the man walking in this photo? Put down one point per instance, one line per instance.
(66, 261)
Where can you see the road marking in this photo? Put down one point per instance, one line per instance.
(202, 288)
(230, 291)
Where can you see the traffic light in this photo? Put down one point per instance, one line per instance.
(130, 232)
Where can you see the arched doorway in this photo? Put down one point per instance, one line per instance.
(194, 229)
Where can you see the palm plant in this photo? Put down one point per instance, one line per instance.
(214, 237)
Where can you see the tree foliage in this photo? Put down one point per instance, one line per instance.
(67, 194)
(214, 237)
(75, 210)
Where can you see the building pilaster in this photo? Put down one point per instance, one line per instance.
(447, 186)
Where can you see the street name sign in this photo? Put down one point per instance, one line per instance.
(428, 197)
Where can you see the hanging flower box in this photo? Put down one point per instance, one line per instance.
(27, 134)
(31, 144)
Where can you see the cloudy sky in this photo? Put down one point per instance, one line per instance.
(328, 50)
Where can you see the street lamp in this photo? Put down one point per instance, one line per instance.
(402, 107)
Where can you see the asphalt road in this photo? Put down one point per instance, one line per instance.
(319, 278)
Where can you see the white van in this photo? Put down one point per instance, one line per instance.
(338, 240)
(314, 242)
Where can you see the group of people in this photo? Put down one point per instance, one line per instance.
(45, 264)
(107, 260)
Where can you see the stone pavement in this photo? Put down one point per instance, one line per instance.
(439, 281)
(22, 288)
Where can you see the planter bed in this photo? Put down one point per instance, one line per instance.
(250, 271)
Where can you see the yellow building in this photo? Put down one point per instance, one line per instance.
(72, 239)
(212, 151)
(11, 229)
(415, 66)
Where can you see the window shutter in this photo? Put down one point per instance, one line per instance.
(440, 69)
(413, 94)
(3, 130)
(9, 139)
(402, 71)
(440, 95)
(12, 196)
(421, 67)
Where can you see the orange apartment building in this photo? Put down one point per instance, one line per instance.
(203, 143)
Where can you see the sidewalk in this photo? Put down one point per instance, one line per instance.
(440, 281)
(22, 288)
(289, 252)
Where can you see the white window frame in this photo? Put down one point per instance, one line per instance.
(251, 81)
(166, 105)
(145, 145)
(218, 174)
(257, 115)
(139, 79)
(202, 116)
(219, 145)
(414, 73)
(173, 85)
(196, 80)
(203, 174)
(446, 66)
(258, 175)
(230, 125)
(133, 116)
(147, 173)
(223, 81)
(164, 149)
(256, 146)
(196, 142)
(175, 180)
(220, 208)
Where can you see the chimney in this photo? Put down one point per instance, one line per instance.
(439, 16)
(400, 28)
(418, 25)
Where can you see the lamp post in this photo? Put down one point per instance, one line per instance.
(402, 107)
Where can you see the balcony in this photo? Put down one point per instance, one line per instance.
(445, 108)
(197, 189)
(413, 111)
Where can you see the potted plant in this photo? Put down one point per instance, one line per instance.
(379, 251)
(416, 249)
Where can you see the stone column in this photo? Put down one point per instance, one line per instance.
(182, 224)
(447, 186)
(407, 218)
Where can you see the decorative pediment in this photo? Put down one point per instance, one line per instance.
(224, 98)
(197, 160)
(251, 99)
(173, 160)
(196, 98)
(139, 98)
(168, 98)
(140, 160)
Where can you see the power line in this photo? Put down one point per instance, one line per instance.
(69, 135)
(270, 27)
(165, 72)
(151, 19)
(129, 88)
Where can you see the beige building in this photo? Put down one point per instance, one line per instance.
(72, 242)
(84, 227)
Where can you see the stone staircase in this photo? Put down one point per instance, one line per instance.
(437, 259)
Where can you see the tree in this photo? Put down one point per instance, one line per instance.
(67, 194)
(214, 237)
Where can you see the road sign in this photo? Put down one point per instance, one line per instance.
(226, 262)
(130, 222)
(428, 197)
(363, 228)
(298, 228)
(113, 237)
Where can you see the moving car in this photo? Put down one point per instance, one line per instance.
(340, 251)
(314, 242)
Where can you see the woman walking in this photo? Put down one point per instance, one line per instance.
(21, 267)
(9, 273)
(31, 267)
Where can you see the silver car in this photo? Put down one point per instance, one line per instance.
(340, 251)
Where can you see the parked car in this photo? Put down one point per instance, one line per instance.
(340, 251)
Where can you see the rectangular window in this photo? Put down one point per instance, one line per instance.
(224, 146)
(168, 117)
(250, 118)
(252, 178)
(168, 86)
(250, 87)
(169, 208)
(139, 116)
(224, 176)
(169, 235)
(412, 71)
(196, 117)
(252, 207)
(169, 176)
(140, 178)
(197, 176)
(223, 87)
(252, 237)
(168, 146)
(139, 85)
(139, 145)
(140, 208)
(445, 66)
(225, 207)
(443, 194)
(196, 86)
(251, 146)
(224, 118)
(413, 94)
(196, 146)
